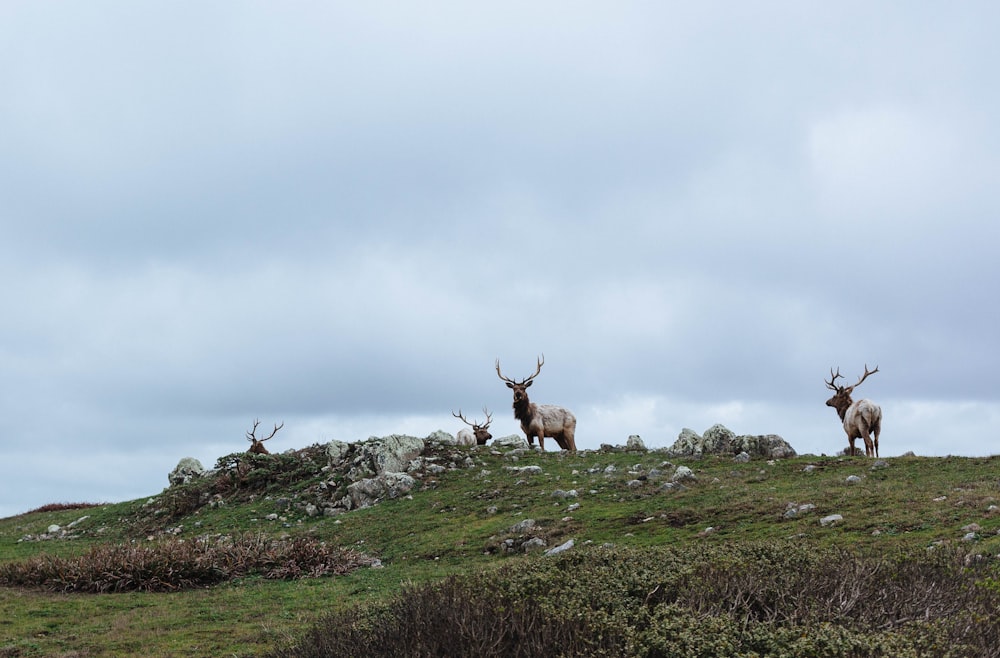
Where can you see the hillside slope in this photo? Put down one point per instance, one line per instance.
(471, 510)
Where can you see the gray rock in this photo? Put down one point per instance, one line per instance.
(742, 458)
(187, 469)
(390, 454)
(717, 440)
(559, 493)
(766, 446)
(367, 492)
(683, 474)
(853, 479)
(720, 440)
(522, 526)
(336, 453)
(440, 436)
(830, 520)
(560, 548)
(533, 544)
(634, 442)
(510, 442)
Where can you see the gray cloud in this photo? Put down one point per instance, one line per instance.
(340, 217)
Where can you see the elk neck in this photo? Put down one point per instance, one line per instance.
(523, 408)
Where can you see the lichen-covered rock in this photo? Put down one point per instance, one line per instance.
(765, 446)
(440, 436)
(683, 474)
(389, 454)
(187, 469)
(337, 452)
(367, 492)
(719, 440)
(634, 443)
(510, 442)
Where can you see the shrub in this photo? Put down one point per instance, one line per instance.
(742, 600)
(177, 564)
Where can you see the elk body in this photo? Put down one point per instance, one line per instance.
(257, 445)
(541, 420)
(478, 435)
(862, 418)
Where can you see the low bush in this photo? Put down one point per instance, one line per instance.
(178, 564)
(744, 600)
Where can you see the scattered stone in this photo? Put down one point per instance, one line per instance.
(560, 548)
(809, 468)
(683, 474)
(559, 493)
(525, 470)
(522, 526)
(742, 458)
(510, 442)
(853, 479)
(533, 544)
(830, 520)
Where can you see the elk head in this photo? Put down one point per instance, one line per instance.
(257, 445)
(519, 388)
(481, 432)
(841, 399)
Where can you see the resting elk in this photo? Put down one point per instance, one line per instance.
(478, 435)
(541, 420)
(862, 418)
(257, 445)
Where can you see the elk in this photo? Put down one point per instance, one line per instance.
(862, 418)
(478, 435)
(541, 420)
(257, 445)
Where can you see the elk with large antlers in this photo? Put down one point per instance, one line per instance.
(478, 435)
(541, 420)
(257, 445)
(862, 418)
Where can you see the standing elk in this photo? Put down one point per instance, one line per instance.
(541, 420)
(861, 418)
(478, 435)
(257, 445)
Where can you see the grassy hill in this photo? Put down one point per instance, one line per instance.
(463, 521)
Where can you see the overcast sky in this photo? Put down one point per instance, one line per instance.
(339, 215)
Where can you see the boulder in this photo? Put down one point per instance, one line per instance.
(390, 454)
(336, 452)
(719, 440)
(440, 436)
(635, 443)
(367, 492)
(765, 446)
(510, 442)
(187, 469)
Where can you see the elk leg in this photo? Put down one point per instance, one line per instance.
(853, 450)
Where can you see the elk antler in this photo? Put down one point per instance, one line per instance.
(865, 376)
(250, 435)
(462, 417)
(541, 362)
(489, 418)
(833, 377)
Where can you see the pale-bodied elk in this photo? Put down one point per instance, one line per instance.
(257, 445)
(478, 435)
(541, 420)
(862, 418)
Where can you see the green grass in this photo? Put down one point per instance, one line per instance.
(453, 523)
